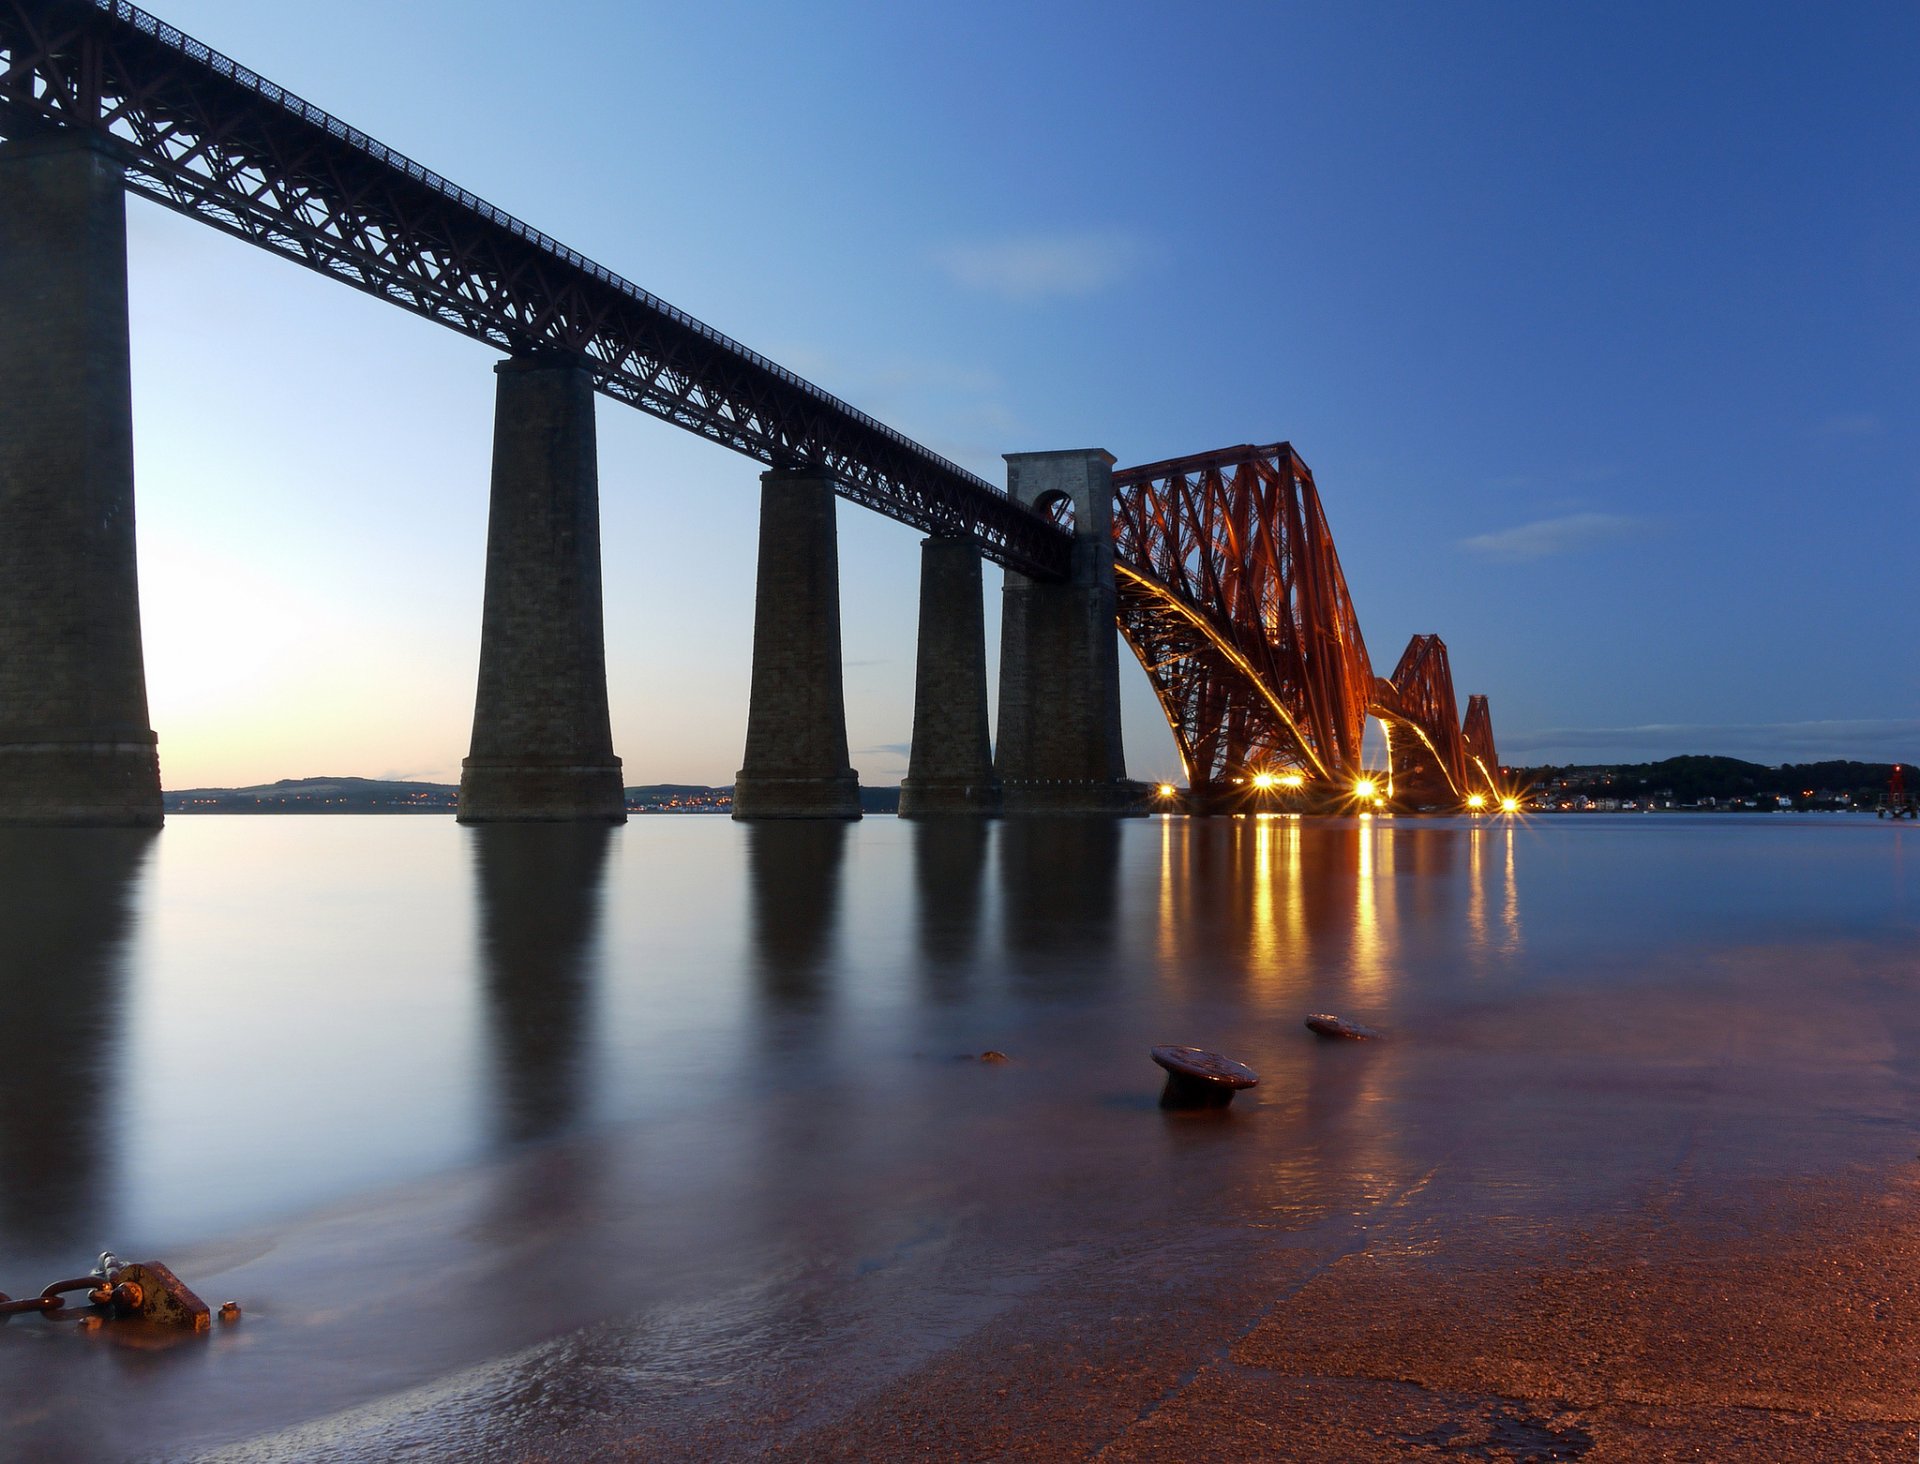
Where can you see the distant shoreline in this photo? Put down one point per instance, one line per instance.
(1678, 784)
(381, 795)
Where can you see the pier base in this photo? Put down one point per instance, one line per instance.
(76, 747)
(1060, 748)
(951, 766)
(542, 739)
(796, 757)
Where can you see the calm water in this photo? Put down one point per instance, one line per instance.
(331, 1057)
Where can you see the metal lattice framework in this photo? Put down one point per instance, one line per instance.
(205, 136)
(1429, 759)
(1476, 736)
(1232, 596)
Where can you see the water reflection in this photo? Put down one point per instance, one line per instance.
(540, 897)
(67, 898)
(1059, 882)
(793, 892)
(949, 879)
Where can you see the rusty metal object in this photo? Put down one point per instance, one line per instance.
(164, 1298)
(1197, 1078)
(229, 1312)
(1325, 1024)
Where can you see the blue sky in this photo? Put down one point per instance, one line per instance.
(1599, 325)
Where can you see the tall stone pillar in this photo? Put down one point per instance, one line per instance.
(76, 746)
(1060, 748)
(951, 767)
(796, 758)
(542, 741)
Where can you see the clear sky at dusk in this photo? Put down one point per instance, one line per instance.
(1599, 326)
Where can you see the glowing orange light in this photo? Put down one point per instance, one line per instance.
(1166, 790)
(1365, 787)
(1509, 805)
(1264, 780)
(1292, 780)
(1476, 800)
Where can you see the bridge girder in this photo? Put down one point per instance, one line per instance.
(209, 138)
(1232, 597)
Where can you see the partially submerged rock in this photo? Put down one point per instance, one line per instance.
(1325, 1024)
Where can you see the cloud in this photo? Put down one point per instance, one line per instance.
(1850, 424)
(897, 749)
(1043, 266)
(1548, 536)
(1867, 739)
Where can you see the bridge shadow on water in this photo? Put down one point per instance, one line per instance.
(67, 902)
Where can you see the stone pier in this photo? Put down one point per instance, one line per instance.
(542, 741)
(951, 766)
(76, 746)
(1059, 748)
(796, 758)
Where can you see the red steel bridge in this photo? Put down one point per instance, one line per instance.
(1229, 589)
(1232, 597)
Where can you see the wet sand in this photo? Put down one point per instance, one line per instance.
(1657, 1202)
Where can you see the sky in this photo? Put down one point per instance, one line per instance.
(1599, 326)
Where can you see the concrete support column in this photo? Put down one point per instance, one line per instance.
(1060, 749)
(542, 742)
(76, 746)
(951, 768)
(796, 758)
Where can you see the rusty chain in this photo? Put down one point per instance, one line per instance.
(149, 1290)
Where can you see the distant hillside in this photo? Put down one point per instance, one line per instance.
(379, 795)
(317, 795)
(1692, 780)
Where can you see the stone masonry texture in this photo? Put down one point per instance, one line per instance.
(796, 757)
(951, 767)
(542, 739)
(1060, 747)
(76, 746)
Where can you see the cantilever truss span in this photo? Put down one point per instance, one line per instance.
(205, 136)
(1232, 597)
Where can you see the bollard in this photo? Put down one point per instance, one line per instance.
(1197, 1078)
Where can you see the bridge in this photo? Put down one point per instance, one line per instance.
(1218, 570)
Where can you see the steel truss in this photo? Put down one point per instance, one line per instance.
(1476, 736)
(1235, 604)
(1232, 597)
(205, 136)
(1429, 759)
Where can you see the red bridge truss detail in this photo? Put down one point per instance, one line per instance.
(1232, 597)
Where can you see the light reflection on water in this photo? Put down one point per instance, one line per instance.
(349, 1065)
(246, 1016)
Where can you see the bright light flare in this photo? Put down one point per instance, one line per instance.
(1509, 805)
(1292, 780)
(1476, 800)
(1264, 780)
(1365, 788)
(1166, 790)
